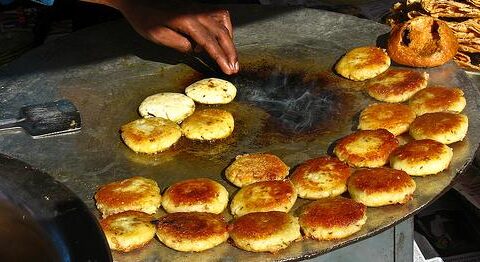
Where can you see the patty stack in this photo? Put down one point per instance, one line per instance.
(462, 16)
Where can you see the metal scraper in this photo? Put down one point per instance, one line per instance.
(45, 120)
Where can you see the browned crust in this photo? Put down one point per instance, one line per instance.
(379, 180)
(377, 56)
(437, 98)
(432, 124)
(389, 143)
(279, 192)
(192, 191)
(111, 195)
(258, 167)
(259, 225)
(162, 128)
(191, 225)
(328, 165)
(422, 42)
(396, 82)
(207, 117)
(332, 212)
(387, 115)
(419, 150)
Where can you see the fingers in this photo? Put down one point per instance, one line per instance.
(167, 37)
(223, 17)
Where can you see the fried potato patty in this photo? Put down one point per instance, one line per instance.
(363, 63)
(380, 186)
(438, 99)
(172, 106)
(397, 85)
(332, 218)
(208, 124)
(192, 231)
(128, 230)
(263, 196)
(444, 127)
(396, 118)
(212, 91)
(421, 157)
(195, 195)
(366, 148)
(321, 177)
(264, 231)
(150, 135)
(136, 193)
(251, 168)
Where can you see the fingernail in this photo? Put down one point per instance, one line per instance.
(237, 67)
(232, 66)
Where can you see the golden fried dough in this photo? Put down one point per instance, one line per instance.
(208, 124)
(212, 91)
(172, 106)
(443, 127)
(397, 85)
(396, 118)
(332, 218)
(363, 63)
(321, 177)
(437, 99)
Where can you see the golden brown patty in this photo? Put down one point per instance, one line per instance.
(332, 218)
(443, 127)
(208, 124)
(150, 135)
(263, 196)
(366, 148)
(195, 195)
(136, 193)
(128, 230)
(397, 85)
(421, 157)
(192, 231)
(396, 118)
(321, 177)
(211, 91)
(363, 63)
(380, 186)
(251, 168)
(437, 99)
(264, 231)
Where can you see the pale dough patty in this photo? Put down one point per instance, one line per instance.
(251, 168)
(421, 157)
(437, 99)
(363, 63)
(380, 186)
(397, 85)
(277, 195)
(192, 231)
(195, 195)
(128, 230)
(150, 135)
(366, 148)
(264, 231)
(172, 106)
(444, 127)
(396, 118)
(136, 193)
(212, 91)
(321, 177)
(208, 124)
(332, 218)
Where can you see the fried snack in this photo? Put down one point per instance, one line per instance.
(397, 85)
(172, 106)
(452, 8)
(128, 230)
(422, 42)
(380, 186)
(251, 168)
(150, 135)
(437, 99)
(264, 196)
(321, 177)
(136, 193)
(208, 124)
(332, 218)
(195, 195)
(421, 157)
(366, 148)
(396, 118)
(192, 231)
(264, 231)
(444, 127)
(212, 91)
(363, 63)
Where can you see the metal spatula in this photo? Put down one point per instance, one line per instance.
(44, 120)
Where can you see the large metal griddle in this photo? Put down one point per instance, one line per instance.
(108, 70)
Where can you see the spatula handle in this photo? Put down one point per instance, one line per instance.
(10, 123)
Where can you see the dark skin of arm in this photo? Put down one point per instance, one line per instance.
(183, 26)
